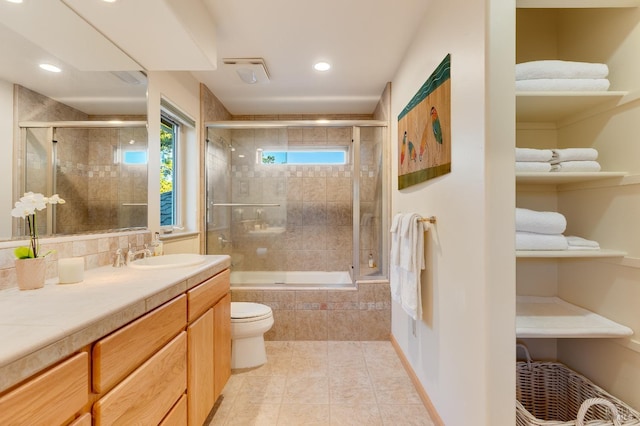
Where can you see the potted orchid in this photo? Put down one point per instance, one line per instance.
(30, 267)
(26, 209)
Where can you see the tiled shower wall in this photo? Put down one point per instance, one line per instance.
(360, 314)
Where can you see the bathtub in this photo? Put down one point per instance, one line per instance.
(291, 280)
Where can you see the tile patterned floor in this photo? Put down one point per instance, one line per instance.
(322, 383)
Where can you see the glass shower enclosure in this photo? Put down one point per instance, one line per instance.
(298, 195)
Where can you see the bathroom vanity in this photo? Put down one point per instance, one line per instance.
(124, 346)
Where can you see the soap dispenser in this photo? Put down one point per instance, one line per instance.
(157, 245)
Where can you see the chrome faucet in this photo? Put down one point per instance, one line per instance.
(133, 255)
(118, 259)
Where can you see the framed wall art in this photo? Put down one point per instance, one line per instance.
(424, 130)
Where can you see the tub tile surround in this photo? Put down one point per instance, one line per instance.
(362, 314)
(47, 324)
(97, 249)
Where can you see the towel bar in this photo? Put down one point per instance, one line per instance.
(431, 219)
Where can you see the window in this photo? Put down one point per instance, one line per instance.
(296, 156)
(169, 135)
(178, 169)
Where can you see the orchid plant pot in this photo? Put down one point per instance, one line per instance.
(30, 273)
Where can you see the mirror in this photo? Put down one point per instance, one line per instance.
(80, 132)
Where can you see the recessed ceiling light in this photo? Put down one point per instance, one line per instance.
(109, 1)
(50, 68)
(14, 1)
(322, 66)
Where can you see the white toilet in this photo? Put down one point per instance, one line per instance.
(249, 322)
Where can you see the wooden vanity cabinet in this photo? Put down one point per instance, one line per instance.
(165, 368)
(208, 345)
(53, 397)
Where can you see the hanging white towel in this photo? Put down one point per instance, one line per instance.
(407, 246)
(551, 68)
(394, 258)
(564, 84)
(540, 222)
(533, 154)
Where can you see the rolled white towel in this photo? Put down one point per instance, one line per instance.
(533, 241)
(532, 154)
(573, 154)
(553, 68)
(532, 166)
(579, 243)
(563, 84)
(540, 222)
(576, 166)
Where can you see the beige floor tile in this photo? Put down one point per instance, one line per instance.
(304, 415)
(405, 415)
(261, 390)
(395, 390)
(322, 383)
(253, 415)
(307, 390)
(351, 390)
(354, 415)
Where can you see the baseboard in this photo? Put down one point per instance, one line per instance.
(416, 382)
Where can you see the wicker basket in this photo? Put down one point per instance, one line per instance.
(551, 394)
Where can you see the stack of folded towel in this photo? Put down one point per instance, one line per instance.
(556, 75)
(557, 160)
(575, 160)
(533, 160)
(540, 230)
(537, 230)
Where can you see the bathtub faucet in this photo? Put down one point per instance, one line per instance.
(223, 241)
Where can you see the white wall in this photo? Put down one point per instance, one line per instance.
(463, 349)
(6, 159)
(183, 91)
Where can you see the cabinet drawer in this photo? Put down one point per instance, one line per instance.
(178, 414)
(50, 398)
(205, 295)
(147, 395)
(84, 420)
(124, 350)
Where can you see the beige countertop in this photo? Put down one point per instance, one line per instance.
(41, 327)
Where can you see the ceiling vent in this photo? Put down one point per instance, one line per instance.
(250, 70)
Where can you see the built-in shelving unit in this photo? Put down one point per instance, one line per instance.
(569, 254)
(545, 178)
(552, 317)
(558, 106)
(568, 4)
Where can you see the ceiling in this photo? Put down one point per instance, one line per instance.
(363, 40)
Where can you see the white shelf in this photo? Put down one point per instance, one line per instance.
(565, 177)
(552, 317)
(569, 254)
(564, 4)
(557, 106)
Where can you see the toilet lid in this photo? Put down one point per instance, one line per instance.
(241, 310)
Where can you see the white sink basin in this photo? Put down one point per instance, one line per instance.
(168, 261)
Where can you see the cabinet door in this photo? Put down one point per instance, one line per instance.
(50, 398)
(222, 344)
(124, 350)
(149, 393)
(200, 398)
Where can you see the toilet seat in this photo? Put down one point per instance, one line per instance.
(249, 312)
